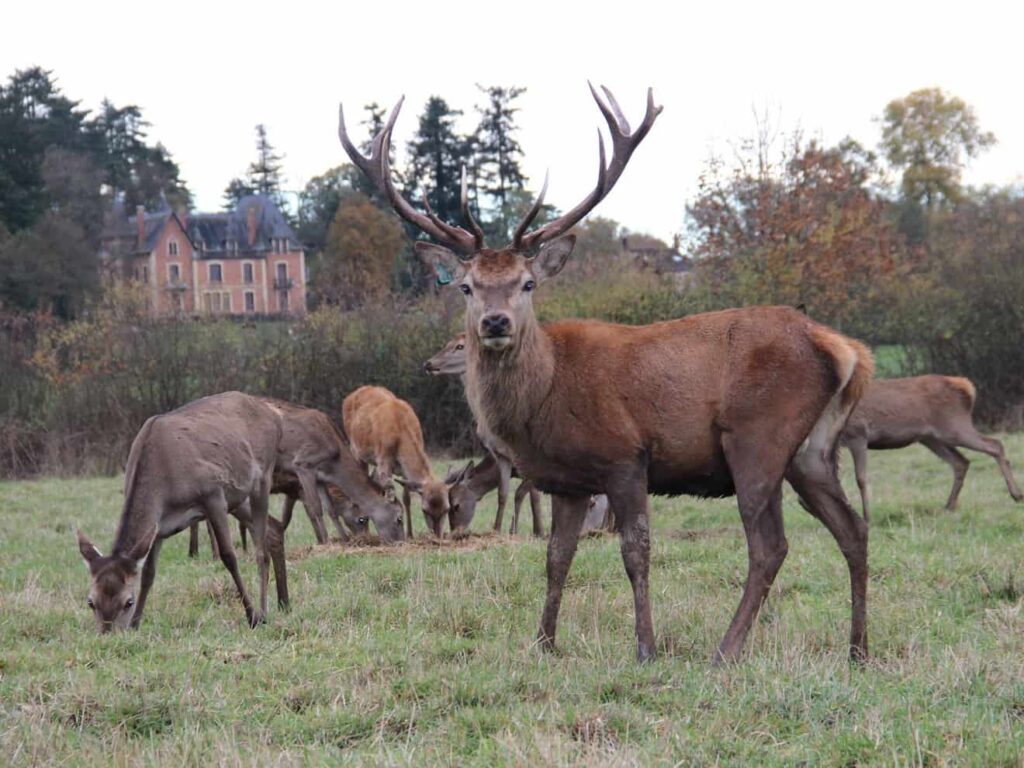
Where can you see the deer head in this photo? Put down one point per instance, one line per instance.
(450, 361)
(112, 591)
(499, 284)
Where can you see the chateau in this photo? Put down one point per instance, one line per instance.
(247, 261)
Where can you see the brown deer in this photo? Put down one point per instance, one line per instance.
(712, 404)
(474, 481)
(315, 464)
(384, 430)
(469, 485)
(932, 410)
(210, 458)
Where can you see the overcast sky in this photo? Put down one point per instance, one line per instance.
(205, 74)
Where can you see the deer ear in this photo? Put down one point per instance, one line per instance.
(447, 266)
(138, 553)
(88, 550)
(552, 257)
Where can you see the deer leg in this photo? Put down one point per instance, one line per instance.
(567, 513)
(859, 452)
(970, 438)
(813, 476)
(193, 539)
(957, 461)
(259, 504)
(504, 480)
(536, 510)
(217, 514)
(214, 549)
(275, 546)
(610, 523)
(148, 575)
(243, 535)
(311, 501)
(286, 513)
(407, 506)
(630, 498)
(517, 504)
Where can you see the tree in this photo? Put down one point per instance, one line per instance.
(497, 154)
(235, 191)
(359, 256)
(34, 116)
(139, 174)
(265, 172)
(930, 136)
(807, 230)
(436, 155)
(319, 201)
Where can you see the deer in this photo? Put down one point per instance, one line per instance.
(473, 482)
(208, 459)
(384, 431)
(723, 403)
(315, 464)
(932, 410)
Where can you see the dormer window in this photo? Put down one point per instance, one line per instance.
(172, 247)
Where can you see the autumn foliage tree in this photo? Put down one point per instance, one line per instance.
(358, 258)
(804, 230)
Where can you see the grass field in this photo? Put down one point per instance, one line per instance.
(426, 657)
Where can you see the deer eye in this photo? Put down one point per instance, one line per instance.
(460, 347)
(362, 520)
(529, 285)
(129, 603)
(465, 289)
(90, 603)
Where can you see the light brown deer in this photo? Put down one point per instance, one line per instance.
(932, 410)
(210, 458)
(713, 404)
(383, 430)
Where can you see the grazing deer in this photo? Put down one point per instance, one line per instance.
(474, 481)
(932, 410)
(385, 431)
(470, 484)
(210, 458)
(712, 404)
(315, 464)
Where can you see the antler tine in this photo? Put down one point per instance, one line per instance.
(530, 215)
(624, 141)
(478, 233)
(377, 169)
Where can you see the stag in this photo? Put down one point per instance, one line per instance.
(473, 482)
(384, 431)
(210, 458)
(723, 403)
(932, 410)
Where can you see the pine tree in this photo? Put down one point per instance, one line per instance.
(436, 155)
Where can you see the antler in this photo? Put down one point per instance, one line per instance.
(378, 170)
(623, 144)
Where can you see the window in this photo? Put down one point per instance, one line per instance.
(217, 301)
(145, 274)
(282, 300)
(173, 273)
(172, 248)
(176, 302)
(250, 301)
(216, 274)
(282, 275)
(247, 273)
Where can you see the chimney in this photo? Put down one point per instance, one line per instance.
(675, 242)
(140, 224)
(250, 220)
(182, 214)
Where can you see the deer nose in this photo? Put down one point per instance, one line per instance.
(428, 367)
(495, 325)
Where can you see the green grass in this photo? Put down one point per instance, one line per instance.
(427, 657)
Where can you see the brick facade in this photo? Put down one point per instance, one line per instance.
(244, 262)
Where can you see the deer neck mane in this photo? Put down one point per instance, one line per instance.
(506, 389)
